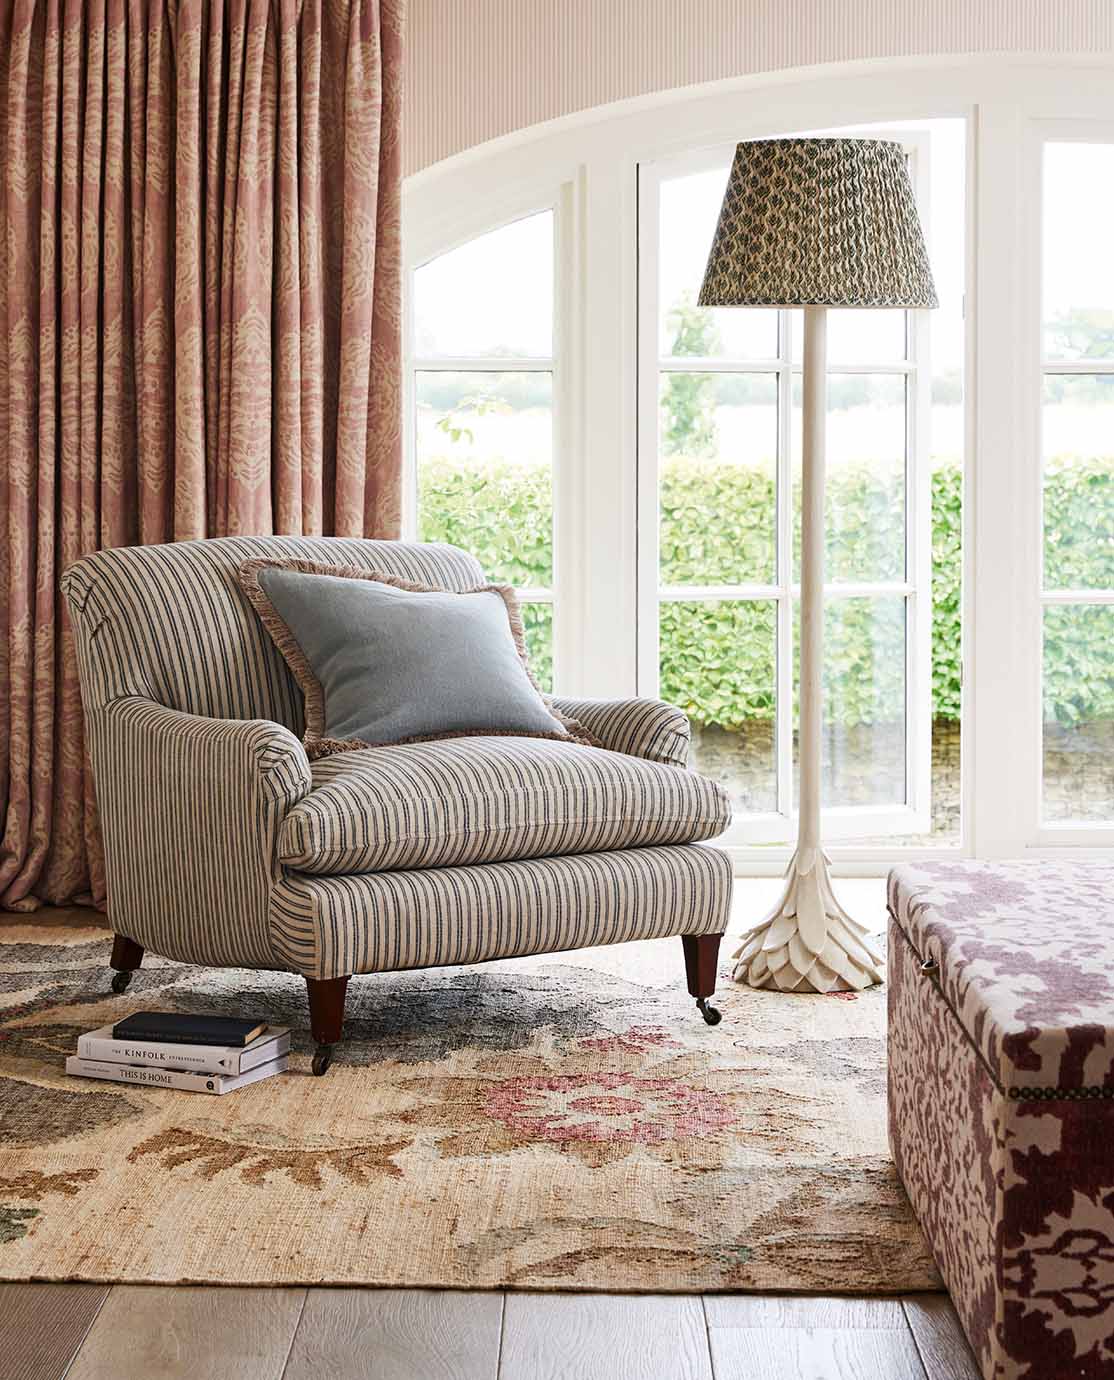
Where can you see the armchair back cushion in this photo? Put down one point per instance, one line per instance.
(172, 624)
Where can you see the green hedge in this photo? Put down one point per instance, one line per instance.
(716, 528)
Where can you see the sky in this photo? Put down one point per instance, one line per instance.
(1078, 266)
(493, 294)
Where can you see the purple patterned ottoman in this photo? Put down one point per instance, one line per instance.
(1001, 1088)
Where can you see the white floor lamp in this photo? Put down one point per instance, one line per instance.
(815, 223)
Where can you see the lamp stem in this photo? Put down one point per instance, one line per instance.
(814, 390)
(808, 942)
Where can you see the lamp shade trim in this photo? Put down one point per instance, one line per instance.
(818, 222)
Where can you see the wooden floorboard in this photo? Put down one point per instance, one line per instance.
(803, 1310)
(397, 1334)
(821, 1353)
(604, 1336)
(42, 1326)
(943, 1347)
(185, 1333)
(87, 1332)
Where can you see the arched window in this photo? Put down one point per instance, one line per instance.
(630, 461)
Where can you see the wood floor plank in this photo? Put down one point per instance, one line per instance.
(814, 1353)
(184, 1333)
(939, 1335)
(42, 1326)
(803, 1310)
(605, 1336)
(397, 1334)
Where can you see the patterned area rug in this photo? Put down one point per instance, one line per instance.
(567, 1123)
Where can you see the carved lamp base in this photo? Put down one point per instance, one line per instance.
(808, 942)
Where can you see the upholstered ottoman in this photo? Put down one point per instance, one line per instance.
(1001, 1102)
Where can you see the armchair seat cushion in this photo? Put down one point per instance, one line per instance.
(476, 800)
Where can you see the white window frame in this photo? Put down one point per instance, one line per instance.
(913, 816)
(1058, 833)
(588, 161)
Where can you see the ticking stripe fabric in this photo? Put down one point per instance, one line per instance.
(190, 810)
(327, 926)
(474, 800)
(172, 624)
(639, 727)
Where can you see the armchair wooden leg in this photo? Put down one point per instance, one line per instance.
(326, 1017)
(127, 955)
(701, 959)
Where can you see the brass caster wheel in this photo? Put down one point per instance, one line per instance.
(710, 1014)
(322, 1059)
(120, 981)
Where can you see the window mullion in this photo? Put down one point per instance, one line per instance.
(1077, 596)
(1001, 731)
(483, 364)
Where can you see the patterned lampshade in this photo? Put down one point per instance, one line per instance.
(818, 222)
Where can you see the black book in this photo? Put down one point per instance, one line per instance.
(170, 1028)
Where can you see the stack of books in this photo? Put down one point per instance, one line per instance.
(207, 1054)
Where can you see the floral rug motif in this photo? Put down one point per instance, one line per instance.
(559, 1123)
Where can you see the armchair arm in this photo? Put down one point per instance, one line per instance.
(190, 810)
(640, 728)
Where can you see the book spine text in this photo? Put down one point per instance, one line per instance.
(149, 1077)
(197, 1059)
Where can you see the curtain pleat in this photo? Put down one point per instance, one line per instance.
(199, 326)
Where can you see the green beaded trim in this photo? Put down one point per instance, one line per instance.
(1069, 1094)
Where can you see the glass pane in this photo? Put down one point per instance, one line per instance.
(865, 492)
(538, 622)
(857, 335)
(863, 753)
(1078, 481)
(492, 296)
(718, 664)
(1079, 712)
(719, 436)
(484, 448)
(947, 646)
(689, 211)
(1078, 265)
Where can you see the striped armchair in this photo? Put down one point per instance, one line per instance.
(226, 846)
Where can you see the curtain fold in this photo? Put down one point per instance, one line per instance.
(199, 326)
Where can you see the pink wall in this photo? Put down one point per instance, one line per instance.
(478, 69)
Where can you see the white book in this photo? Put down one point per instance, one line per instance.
(218, 1059)
(212, 1083)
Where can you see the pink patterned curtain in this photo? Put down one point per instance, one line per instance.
(199, 326)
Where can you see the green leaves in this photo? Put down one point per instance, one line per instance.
(947, 590)
(717, 523)
(499, 511)
(1078, 523)
(1078, 678)
(717, 660)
